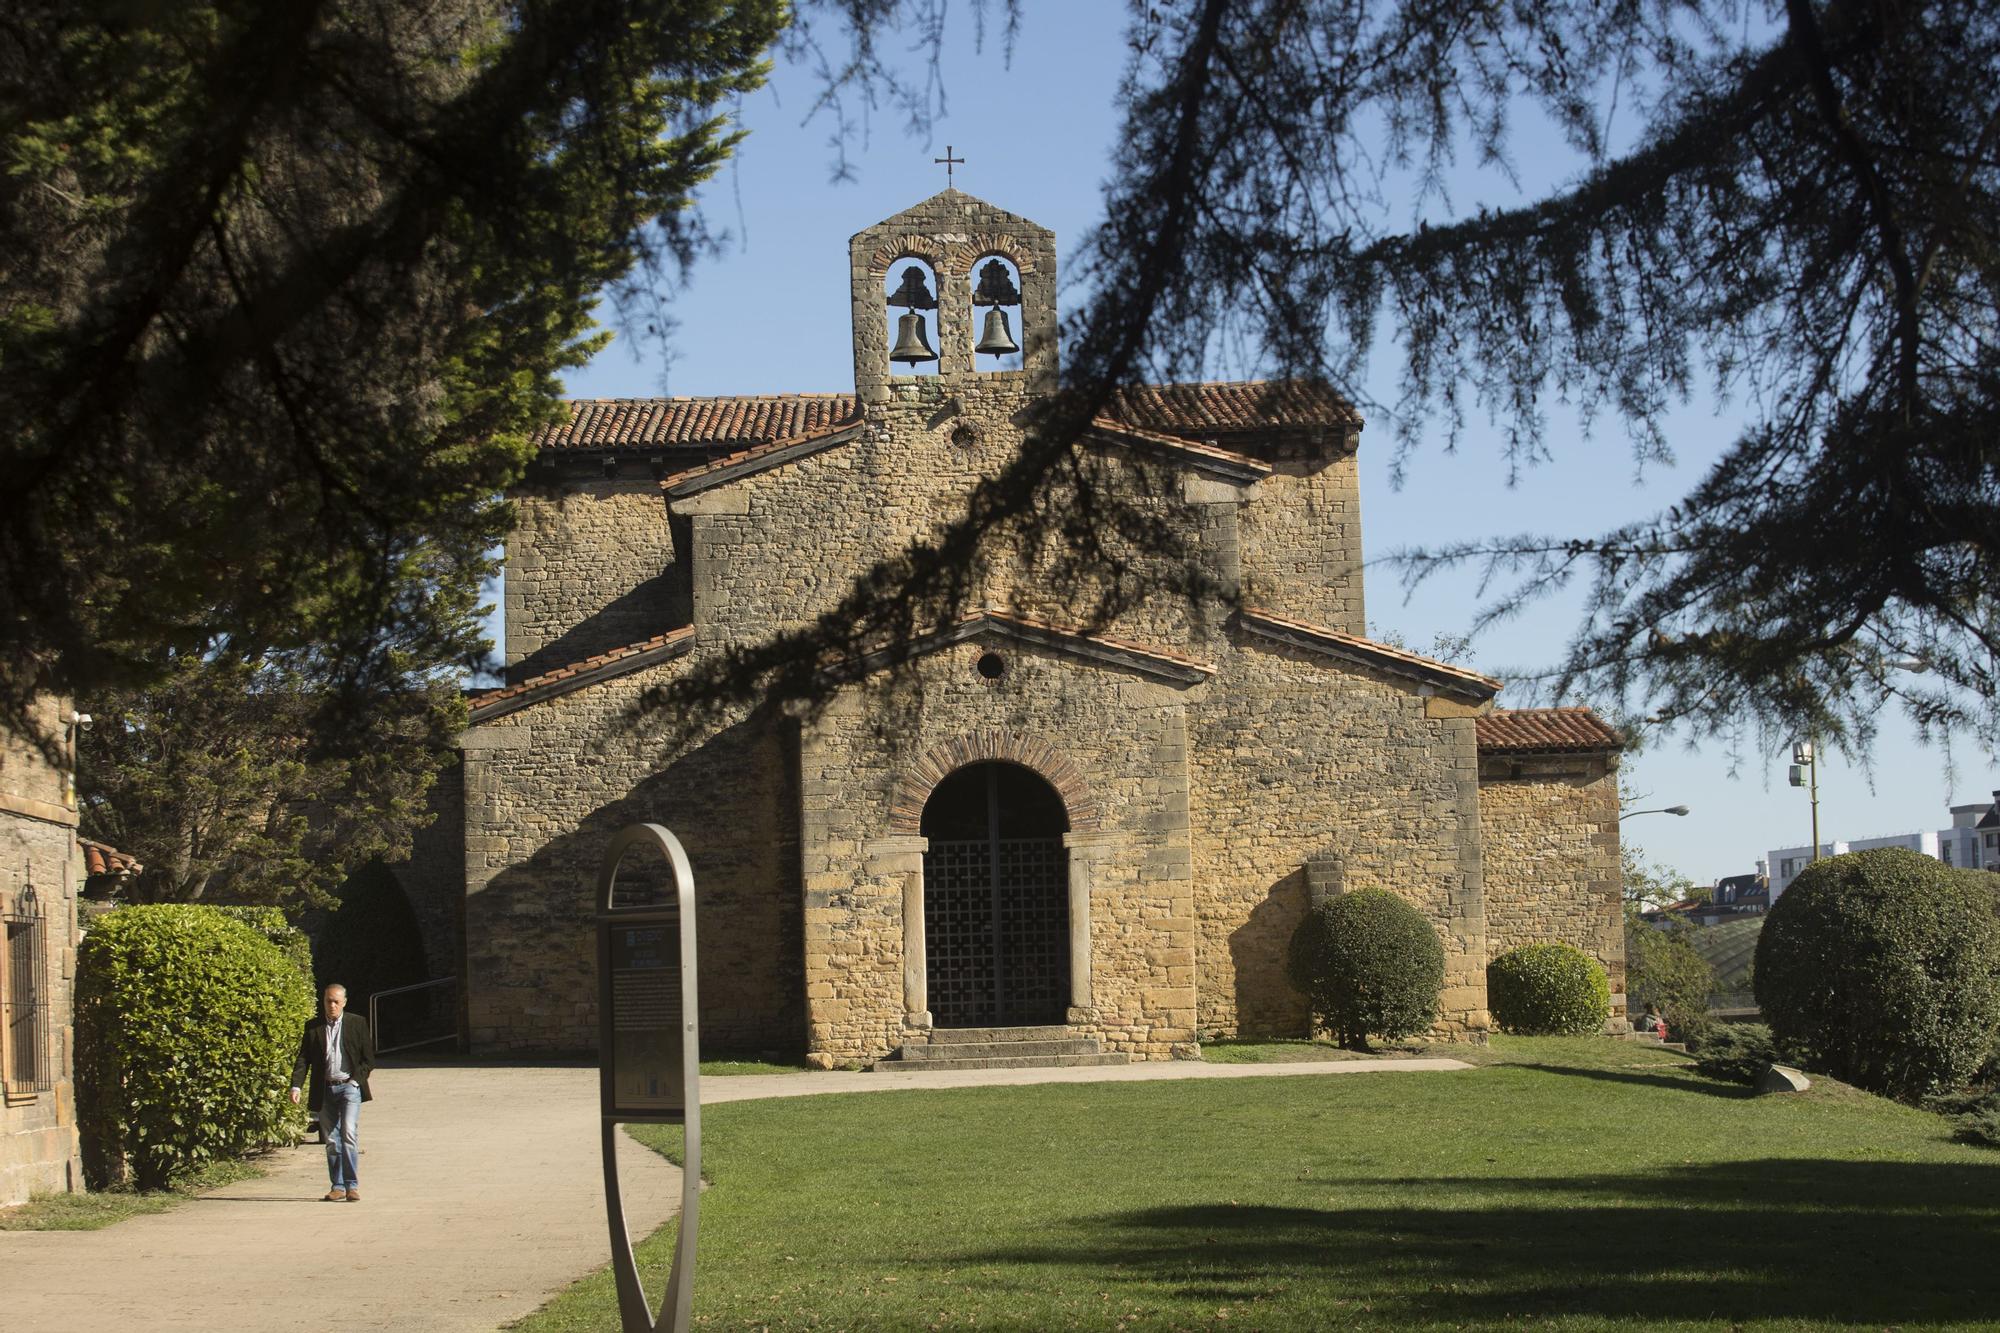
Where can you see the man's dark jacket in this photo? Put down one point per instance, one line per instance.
(357, 1052)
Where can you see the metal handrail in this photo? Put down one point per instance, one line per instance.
(375, 1026)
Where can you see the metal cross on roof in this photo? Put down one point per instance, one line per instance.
(948, 162)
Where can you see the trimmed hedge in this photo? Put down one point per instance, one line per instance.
(270, 922)
(186, 1024)
(1883, 968)
(1548, 989)
(1368, 963)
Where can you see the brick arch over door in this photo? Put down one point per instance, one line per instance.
(914, 787)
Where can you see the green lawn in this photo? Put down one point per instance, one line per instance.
(1566, 1183)
(730, 1066)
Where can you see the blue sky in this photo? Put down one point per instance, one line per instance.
(770, 315)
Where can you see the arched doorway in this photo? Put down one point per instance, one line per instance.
(996, 899)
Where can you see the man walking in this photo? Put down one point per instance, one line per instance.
(338, 1053)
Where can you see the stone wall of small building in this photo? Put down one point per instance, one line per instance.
(1306, 766)
(547, 788)
(1550, 829)
(38, 1136)
(589, 567)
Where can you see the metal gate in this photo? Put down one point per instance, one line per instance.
(996, 931)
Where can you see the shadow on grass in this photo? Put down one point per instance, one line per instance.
(1780, 1239)
(1688, 1082)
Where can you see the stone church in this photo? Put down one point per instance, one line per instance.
(1031, 824)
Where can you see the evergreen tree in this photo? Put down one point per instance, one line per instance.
(285, 290)
(1807, 221)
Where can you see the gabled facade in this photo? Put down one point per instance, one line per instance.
(1031, 821)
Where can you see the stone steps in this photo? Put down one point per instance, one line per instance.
(1000, 1048)
(982, 1036)
(996, 1050)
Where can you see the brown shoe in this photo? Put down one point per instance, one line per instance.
(334, 1196)
(354, 1196)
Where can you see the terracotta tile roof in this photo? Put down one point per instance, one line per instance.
(1202, 409)
(1379, 655)
(604, 666)
(1220, 406)
(103, 859)
(693, 423)
(1547, 730)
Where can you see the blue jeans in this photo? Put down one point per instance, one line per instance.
(340, 1126)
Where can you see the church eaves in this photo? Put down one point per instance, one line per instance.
(1367, 652)
(590, 671)
(1066, 640)
(1203, 457)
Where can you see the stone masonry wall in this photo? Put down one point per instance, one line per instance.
(1550, 829)
(1123, 733)
(590, 566)
(545, 790)
(38, 1140)
(1302, 543)
(774, 550)
(1300, 758)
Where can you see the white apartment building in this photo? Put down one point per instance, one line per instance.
(1973, 840)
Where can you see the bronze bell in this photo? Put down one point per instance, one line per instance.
(997, 339)
(911, 345)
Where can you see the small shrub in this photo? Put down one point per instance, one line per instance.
(186, 1023)
(1883, 968)
(1981, 1123)
(1737, 1052)
(1548, 989)
(1662, 968)
(1368, 963)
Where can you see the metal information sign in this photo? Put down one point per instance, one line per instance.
(648, 1055)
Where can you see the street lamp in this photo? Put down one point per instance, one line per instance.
(1663, 810)
(1805, 773)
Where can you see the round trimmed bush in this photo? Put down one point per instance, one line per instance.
(186, 1024)
(1548, 989)
(1883, 969)
(1368, 963)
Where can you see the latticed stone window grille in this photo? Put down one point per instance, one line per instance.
(23, 998)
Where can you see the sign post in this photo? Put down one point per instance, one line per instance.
(648, 1056)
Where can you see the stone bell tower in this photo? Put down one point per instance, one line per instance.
(955, 293)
